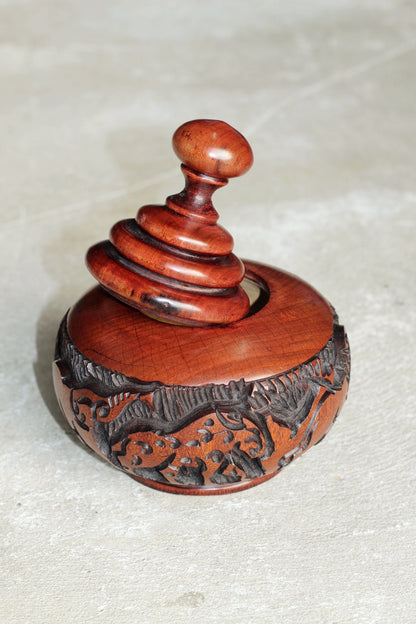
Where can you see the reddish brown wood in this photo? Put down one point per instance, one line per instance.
(294, 324)
(190, 407)
(204, 410)
(212, 147)
(175, 263)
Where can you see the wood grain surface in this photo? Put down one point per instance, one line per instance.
(292, 327)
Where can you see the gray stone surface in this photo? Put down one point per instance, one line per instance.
(91, 93)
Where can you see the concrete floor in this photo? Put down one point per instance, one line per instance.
(326, 93)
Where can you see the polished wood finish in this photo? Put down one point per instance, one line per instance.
(250, 370)
(291, 327)
(175, 263)
(204, 410)
(212, 147)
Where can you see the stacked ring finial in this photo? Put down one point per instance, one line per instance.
(174, 262)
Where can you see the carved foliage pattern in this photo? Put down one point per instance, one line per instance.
(128, 420)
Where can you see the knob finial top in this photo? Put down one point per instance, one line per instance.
(213, 148)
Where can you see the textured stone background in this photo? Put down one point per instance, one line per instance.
(325, 91)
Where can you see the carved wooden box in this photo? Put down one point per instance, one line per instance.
(188, 369)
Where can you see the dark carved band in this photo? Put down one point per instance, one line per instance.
(114, 414)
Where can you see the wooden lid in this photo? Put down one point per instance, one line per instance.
(289, 324)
